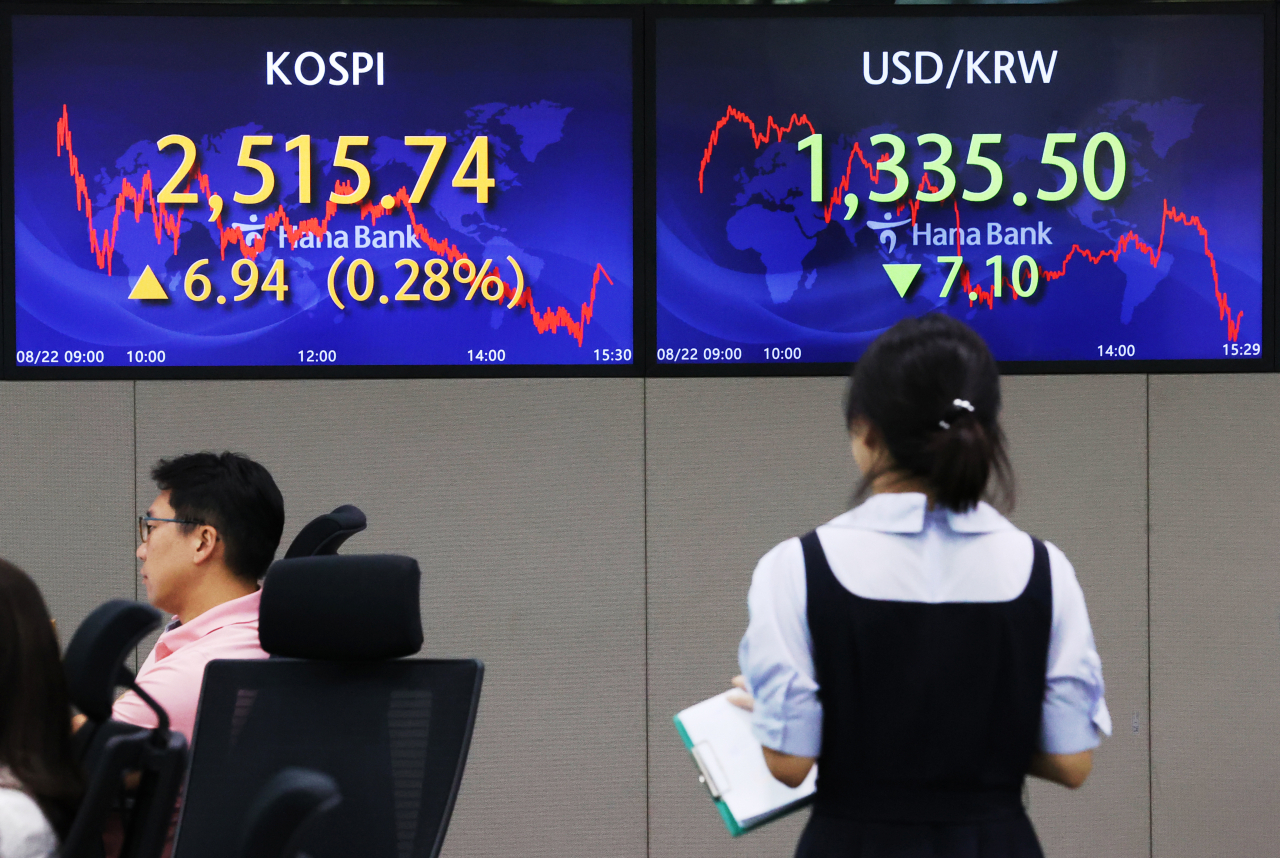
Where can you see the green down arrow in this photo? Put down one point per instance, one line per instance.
(902, 274)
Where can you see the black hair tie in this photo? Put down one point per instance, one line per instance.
(957, 409)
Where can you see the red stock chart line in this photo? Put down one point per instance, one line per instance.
(1129, 242)
(167, 226)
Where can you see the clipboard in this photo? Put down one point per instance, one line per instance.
(730, 748)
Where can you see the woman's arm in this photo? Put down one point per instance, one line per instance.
(774, 656)
(788, 768)
(1074, 715)
(1070, 770)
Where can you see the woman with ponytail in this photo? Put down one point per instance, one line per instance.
(923, 651)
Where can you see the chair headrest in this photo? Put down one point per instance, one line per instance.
(341, 607)
(95, 657)
(326, 533)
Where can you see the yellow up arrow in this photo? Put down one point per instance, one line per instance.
(148, 287)
(902, 274)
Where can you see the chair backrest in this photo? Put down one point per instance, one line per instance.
(162, 764)
(109, 749)
(393, 735)
(283, 810)
(335, 697)
(119, 754)
(326, 533)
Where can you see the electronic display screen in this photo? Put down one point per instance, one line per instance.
(322, 192)
(1082, 188)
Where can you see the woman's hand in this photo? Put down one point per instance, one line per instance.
(740, 696)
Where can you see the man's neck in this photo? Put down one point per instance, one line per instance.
(217, 590)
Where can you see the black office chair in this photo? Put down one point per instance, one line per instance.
(289, 804)
(326, 533)
(337, 697)
(94, 665)
(110, 750)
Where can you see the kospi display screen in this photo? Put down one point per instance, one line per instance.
(428, 193)
(1078, 188)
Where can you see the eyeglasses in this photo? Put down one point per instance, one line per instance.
(147, 523)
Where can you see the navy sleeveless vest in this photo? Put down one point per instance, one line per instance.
(931, 713)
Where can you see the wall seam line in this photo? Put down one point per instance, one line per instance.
(135, 501)
(644, 466)
(1151, 797)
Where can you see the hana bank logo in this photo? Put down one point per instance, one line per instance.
(887, 235)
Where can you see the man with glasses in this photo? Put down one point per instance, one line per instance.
(205, 542)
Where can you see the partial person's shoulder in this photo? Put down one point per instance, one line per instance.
(1059, 565)
(787, 557)
(785, 563)
(778, 582)
(1068, 595)
(24, 831)
(234, 640)
(782, 559)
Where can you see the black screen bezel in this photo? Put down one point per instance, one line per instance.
(10, 369)
(1266, 363)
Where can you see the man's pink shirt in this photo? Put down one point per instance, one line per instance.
(174, 671)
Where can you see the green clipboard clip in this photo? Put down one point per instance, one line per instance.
(706, 779)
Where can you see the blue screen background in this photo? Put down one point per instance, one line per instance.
(748, 262)
(554, 97)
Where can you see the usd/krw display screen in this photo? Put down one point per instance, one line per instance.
(322, 191)
(1076, 188)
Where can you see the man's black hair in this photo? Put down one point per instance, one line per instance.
(233, 494)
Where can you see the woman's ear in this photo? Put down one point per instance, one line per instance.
(872, 438)
(865, 451)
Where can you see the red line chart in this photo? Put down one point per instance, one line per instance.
(770, 130)
(167, 226)
(1132, 241)
(1129, 242)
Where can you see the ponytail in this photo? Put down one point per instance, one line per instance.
(963, 458)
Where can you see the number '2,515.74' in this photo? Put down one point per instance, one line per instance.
(477, 159)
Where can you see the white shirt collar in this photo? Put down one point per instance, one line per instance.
(906, 512)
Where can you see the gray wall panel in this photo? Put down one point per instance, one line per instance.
(1078, 445)
(523, 502)
(67, 492)
(1215, 600)
(734, 467)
